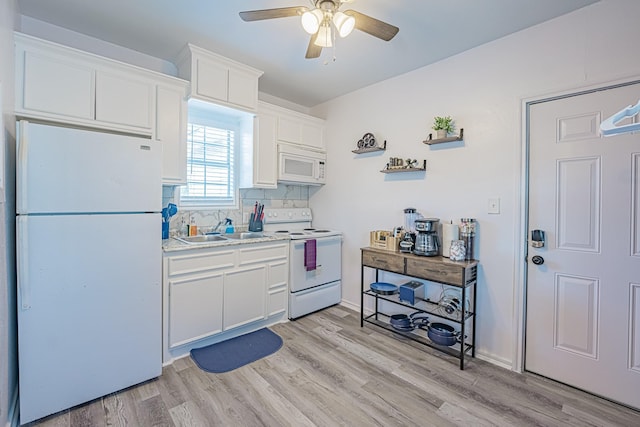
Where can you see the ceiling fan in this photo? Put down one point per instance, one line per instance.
(324, 20)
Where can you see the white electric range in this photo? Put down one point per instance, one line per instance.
(315, 260)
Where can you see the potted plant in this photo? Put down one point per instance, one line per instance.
(443, 126)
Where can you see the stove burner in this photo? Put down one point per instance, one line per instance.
(309, 229)
(282, 231)
(320, 231)
(296, 233)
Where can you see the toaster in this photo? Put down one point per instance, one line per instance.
(411, 292)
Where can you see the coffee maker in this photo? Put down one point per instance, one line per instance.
(408, 241)
(427, 242)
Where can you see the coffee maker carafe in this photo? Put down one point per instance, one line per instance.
(427, 242)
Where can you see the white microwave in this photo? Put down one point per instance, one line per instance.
(300, 166)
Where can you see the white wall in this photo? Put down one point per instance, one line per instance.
(8, 362)
(483, 90)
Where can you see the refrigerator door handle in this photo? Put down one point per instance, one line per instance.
(24, 289)
(22, 160)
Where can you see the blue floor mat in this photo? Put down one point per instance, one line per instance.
(231, 354)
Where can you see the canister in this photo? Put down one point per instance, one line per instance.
(457, 252)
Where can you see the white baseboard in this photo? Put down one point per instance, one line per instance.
(494, 360)
(350, 305)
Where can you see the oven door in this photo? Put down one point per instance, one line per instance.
(328, 263)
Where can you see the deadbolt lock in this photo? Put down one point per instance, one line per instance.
(537, 238)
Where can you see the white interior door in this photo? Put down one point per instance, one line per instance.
(583, 302)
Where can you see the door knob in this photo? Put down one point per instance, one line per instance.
(537, 260)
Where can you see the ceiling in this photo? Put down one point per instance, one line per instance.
(430, 30)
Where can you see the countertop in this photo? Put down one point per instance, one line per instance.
(172, 245)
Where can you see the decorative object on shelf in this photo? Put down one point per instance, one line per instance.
(431, 141)
(443, 126)
(396, 164)
(368, 145)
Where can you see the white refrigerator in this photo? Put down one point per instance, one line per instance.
(88, 235)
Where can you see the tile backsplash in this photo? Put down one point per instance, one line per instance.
(285, 196)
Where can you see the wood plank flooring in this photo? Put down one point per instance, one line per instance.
(331, 372)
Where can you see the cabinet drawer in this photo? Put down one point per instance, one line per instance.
(201, 261)
(435, 271)
(262, 253)
(389, 262)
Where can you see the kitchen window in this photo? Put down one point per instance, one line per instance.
(212, 137)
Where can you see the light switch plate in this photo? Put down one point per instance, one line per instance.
(493, 206)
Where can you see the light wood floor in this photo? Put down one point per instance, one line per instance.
(331, 372)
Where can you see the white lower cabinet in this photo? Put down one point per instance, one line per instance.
(211, 294)
(195, 307)
(244, 296)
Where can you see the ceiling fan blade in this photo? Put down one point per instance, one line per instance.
(313, 51)
(373, 26)
(282, 12)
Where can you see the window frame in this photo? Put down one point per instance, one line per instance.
(212, 117)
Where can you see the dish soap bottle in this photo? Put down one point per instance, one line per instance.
(229, 225)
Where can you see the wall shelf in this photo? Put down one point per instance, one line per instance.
(370, 149)
(431, 141)
(403, 169)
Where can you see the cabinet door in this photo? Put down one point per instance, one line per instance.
(195, 308)
(289, 129)
(171, 131)
(313, 135)
(277, 295)
(53, 85)
(124, 100)
(211, 80)
(265, 153)
(243, 89)
(244, 296)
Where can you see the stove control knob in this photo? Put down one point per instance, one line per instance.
(275, 214)
(290, 214)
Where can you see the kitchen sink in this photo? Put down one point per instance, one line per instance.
(206, 238)
(244, 235)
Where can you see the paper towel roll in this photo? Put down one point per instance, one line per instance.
(449, 232)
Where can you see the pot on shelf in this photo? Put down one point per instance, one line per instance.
(442, 334)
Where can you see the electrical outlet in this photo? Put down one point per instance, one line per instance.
(494, 205)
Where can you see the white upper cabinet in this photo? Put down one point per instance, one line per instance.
(124, 99)
(220, 80)
(171, 130)
(50, 83)
(297, 128)
(58, 83)
(61, 84)
(260, 156)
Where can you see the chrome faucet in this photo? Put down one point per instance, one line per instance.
(215, 229)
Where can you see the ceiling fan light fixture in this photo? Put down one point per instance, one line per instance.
(344, 23)
(311, 20)
(323, 39)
